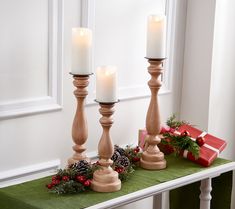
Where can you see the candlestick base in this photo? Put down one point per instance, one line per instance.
(106, 179)
(152, 158)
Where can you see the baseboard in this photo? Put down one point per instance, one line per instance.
(28, 173)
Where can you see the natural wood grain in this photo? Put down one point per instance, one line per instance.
(106, 179)
(79, 128)
(152, 158)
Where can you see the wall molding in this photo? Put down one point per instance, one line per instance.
(137, 91)
(27, 173)
(52, 101)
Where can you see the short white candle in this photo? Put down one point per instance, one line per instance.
(81, 51)
(106, 84)
(156, 36)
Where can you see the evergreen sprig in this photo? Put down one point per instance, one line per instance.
(173, 123)
(181, 143)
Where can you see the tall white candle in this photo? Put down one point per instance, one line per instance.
(156, 36)
(106, 84)
(81, 51)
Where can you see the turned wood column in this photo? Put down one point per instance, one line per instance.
(79, 128)
(152, 158)
(106, 179)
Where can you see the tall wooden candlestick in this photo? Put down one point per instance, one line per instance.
(106, 179)
(152, 158)
(79, 128)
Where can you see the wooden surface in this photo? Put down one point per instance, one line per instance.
(79, 128)
(152, 158)
(106, 179)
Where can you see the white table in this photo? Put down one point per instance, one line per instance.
(156, 191)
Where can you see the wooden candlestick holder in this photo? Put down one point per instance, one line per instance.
(106, 179)
(152, 158)
(79, 128)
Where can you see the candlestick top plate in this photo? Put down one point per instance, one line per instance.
(155, 59)
(80, 75)
(107, 103)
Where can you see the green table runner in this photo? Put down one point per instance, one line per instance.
(34, 195)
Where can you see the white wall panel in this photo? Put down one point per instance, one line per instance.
(31, 56)
(119, 34)
(24, 49)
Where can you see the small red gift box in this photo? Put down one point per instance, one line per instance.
(208, 151)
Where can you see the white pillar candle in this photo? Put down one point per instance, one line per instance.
(156, 36)
(106, 84)
(81, 51)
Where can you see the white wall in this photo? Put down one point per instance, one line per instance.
(197, 62)
(208, 95)
(222, 90)
(44, 137)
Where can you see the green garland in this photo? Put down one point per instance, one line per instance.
(78, 176)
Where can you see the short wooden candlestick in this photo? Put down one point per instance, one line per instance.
(106, 179)
(79, 128)
(152, 158)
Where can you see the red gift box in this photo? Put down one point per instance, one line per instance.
(165, 148)
(208, 151)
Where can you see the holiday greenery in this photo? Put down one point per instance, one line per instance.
(173, 123)
(78, 176)
(173, 142)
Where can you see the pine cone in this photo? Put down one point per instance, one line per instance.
(81, 167)
(115, 156)
(120, 150)
(123, 161)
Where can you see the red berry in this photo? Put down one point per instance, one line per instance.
(53, 182)
(57, 181)
(87, 183)
(135, 159)
(136, 150)
(81, 178)
(185, 133)
(65, 178)
(49, 186)
(120, 170)
(53, 178)
(200, 141)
